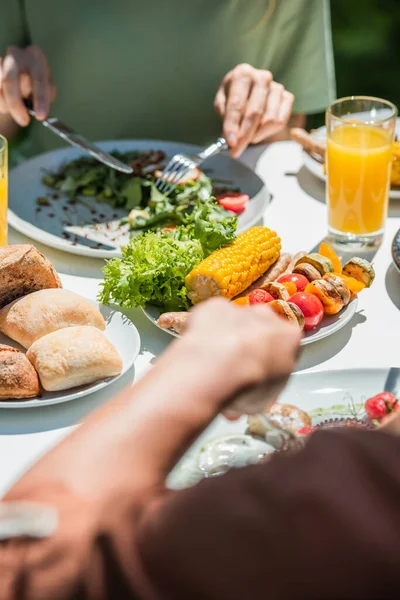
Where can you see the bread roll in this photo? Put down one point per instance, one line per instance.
(18, 378)
(74, 356)
(29, 318)
(23, 270)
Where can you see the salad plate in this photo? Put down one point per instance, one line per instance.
(317, 168)
(87, 227)
(323, 395)
(328, 326)
(124, 336)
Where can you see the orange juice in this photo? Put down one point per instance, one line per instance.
(3, 211)
(359, 161)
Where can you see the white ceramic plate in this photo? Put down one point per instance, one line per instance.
(317, 168)
(329, 325)
(121, 332)
(324, 395)
(50, 225)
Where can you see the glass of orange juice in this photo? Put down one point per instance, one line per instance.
(360, 132)
(3, 191)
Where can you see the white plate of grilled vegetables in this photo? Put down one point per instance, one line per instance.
(314, 291)
(329, 325)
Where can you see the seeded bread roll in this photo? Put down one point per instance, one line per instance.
(23, 270)
(18, 378)
(29, 318)
(72, 357)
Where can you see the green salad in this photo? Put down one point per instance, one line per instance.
(146, 207)
(154, 265)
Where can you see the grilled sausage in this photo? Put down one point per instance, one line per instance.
(292, 263)
(272, 274)
(173, 320)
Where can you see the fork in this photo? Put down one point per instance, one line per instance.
(181, 164)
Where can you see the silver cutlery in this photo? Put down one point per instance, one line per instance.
(75, 139)
(392, 383)
(181, 164)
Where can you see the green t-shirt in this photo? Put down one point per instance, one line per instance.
(151, 68)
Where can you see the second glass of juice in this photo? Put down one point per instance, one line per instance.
(360, 132)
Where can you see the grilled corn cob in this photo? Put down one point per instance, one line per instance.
(230, 270)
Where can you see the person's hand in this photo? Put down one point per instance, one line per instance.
(25, 72)
(253, 107)
(239, 347)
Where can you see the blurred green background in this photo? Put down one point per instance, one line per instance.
(366, 40)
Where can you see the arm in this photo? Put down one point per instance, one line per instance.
(110, 472)
(145, 431)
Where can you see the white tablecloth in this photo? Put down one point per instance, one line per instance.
(298, 213)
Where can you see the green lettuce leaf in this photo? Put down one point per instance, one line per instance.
(152, 270)
(212, 225)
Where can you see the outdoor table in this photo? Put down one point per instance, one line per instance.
(298, 213)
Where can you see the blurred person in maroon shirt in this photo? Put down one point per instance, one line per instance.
(323, 523)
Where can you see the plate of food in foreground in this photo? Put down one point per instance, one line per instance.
(310, 402)
(314, 146)
(55, 345)
(73, 203)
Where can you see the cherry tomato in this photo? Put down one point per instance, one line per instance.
(311, 307)
(306, 430)
(381, 405)
(260, 297)
(299, 280)
(233, 201)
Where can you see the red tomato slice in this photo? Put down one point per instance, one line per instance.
(233, 201)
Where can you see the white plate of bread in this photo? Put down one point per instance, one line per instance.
(55, 345)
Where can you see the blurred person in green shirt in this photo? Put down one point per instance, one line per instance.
(169, 69)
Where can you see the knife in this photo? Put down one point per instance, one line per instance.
(392, 382)
(75, 139)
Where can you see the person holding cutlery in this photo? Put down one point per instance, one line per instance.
(154, 69)
(93, 519)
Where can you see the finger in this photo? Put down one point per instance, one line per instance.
(391, 423)
(39, 71)
(274, 101)
(270, 121)
(285, 112)
(13, 64)
(220, 101)
(231, 415)
(3, 108)
(237, 97)
(25, 83)
(286, 109)
(254, 111)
